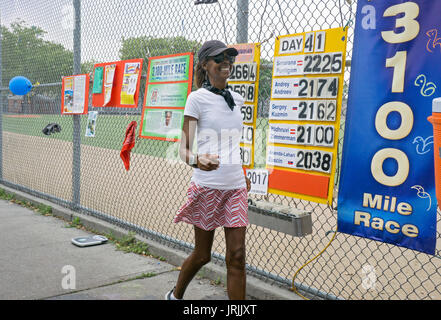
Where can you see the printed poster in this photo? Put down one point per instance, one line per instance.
(130, 81)
(387, 186)
(168, 85)
(91, 123)
(163, 123)
(75, 91)
(108, 83)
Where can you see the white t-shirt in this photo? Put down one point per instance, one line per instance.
(219, 131)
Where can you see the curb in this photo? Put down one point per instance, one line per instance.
(256, 289)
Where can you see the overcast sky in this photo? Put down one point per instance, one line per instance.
(106, 22)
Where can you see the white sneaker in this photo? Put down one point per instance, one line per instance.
(170, 296)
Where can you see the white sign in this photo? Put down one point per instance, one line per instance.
(291, 44)
(305, 134)
(320, 110)
(305, 159)
(281, 156)
(247, 113)
(245, 155)
(285, 88)
(284, 109)
(247, 134)
(282, 133)
(326, 87)
(288, 65)
(259, 181)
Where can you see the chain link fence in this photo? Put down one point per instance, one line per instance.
(45, 40)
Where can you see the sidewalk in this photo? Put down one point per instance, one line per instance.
(38, 261)
(36, 248)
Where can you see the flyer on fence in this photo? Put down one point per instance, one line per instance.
(91, 123)
(169, 81)
(130, 81)
(75, 94)
(108, 83)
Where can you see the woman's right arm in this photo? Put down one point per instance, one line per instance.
(206, 162)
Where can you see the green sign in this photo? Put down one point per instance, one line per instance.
(165, 124)
(169, 69)
(167, 95)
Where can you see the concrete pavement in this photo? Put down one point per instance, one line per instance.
(38, 261)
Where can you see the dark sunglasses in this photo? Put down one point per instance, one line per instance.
(222, 56)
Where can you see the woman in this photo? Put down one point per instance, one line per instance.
(217, 196)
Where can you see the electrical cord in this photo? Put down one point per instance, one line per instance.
(297, 272)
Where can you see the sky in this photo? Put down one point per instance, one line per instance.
(106, 22)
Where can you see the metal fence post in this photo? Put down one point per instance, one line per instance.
(76, 165)
(242, 21)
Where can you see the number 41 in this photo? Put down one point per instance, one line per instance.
(318, 45)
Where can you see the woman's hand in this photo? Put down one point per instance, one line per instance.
(208, 162)
(248, 183)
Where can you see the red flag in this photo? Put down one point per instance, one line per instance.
(128, 144)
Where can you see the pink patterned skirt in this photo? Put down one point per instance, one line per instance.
(209, 208)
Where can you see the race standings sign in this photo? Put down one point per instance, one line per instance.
(387, 189)
(168, 85)
(304, 114)
(244, 79)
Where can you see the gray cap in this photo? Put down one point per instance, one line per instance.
(212, 48)
(436, 105)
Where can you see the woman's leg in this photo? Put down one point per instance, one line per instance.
(200, 256)
(235, 259)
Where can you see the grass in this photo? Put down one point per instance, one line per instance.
(39, 208)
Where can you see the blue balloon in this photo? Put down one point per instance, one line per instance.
(20, 85)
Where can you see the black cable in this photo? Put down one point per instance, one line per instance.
(341, 14)
(281, 15)
(261, 20)
(223, 22)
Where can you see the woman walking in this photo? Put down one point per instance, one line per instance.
(217, 196)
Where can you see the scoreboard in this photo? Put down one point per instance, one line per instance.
(244, 79)
(304, 113)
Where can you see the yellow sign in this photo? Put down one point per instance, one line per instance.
(244, 79)
(304, 113)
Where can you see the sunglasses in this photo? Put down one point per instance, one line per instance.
(222, 56)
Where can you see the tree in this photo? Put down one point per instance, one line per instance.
(25, 53)
(146, 47)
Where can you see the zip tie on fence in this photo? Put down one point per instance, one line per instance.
(295, 275)
(348, 24)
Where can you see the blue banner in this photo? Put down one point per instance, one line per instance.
(387, 184)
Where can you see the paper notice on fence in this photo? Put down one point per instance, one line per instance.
(130, 80)
(91, 123)
(79, 94)
(259, 181)
(74, 94)
(108, 84)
